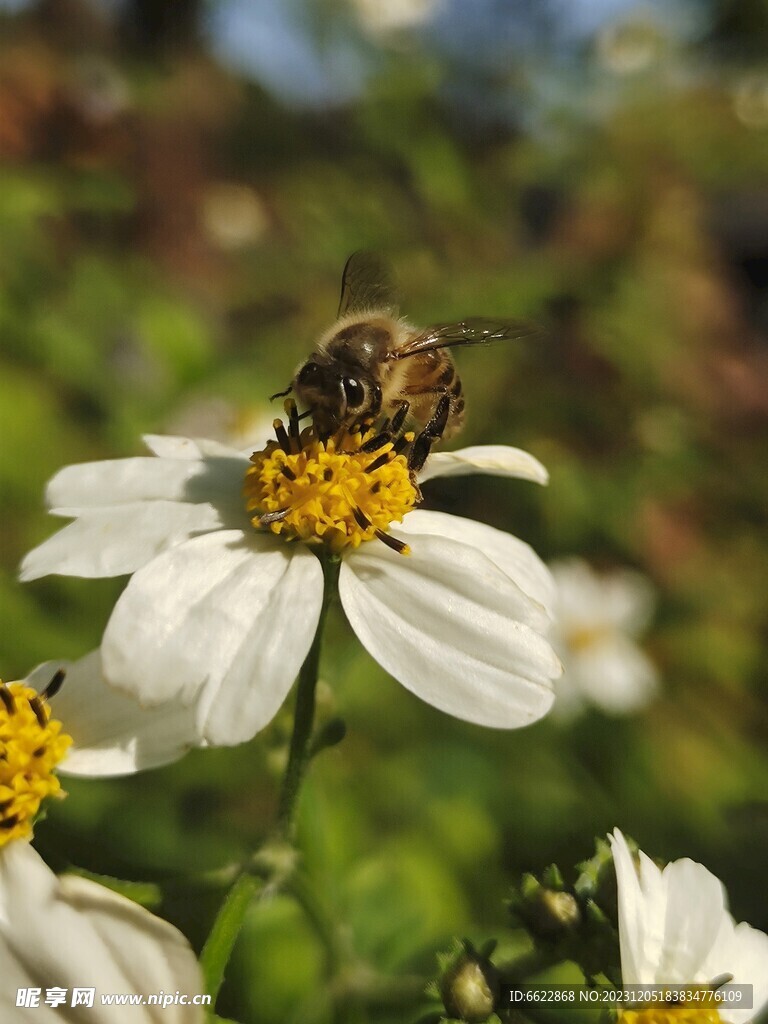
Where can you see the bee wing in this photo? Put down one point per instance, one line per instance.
(367, 284)
(475, 330)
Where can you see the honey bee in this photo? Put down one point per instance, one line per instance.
(371, 362)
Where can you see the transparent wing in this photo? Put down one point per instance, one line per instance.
(475, 330)
(367, 284)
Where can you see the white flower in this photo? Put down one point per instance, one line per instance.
(71, 933)
(596, 620)
(220, 616)
(111, 733)
(674, 928)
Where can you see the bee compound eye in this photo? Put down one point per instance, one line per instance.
(310, 374)
(354, 392)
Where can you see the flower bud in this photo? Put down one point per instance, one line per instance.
(548, 910)
(469, 987)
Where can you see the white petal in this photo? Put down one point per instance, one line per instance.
(743, 952)
(622, 599)
(695, 910)
(668, 920)
(170, 447)
(638, 908)
(223, 617)
(113, 735)
(581, 600)
(515, 558)
(118, 540)
(119, 481)
(449, 625)
(495, 459)
(612, 673)
(75, 933)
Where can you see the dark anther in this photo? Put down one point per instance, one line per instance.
(399, 418)
(274, 517)
(376, 442)
(392, 542)
(6, 804)
(7, 698)
(39, 752)
(293, 425)
(38, 707)
(402, 443)
(287, 471)
(361, 518)
(55, 685)
(377, 463)
(376, 487)
(282, 436)
(328, 474)
(9, 823)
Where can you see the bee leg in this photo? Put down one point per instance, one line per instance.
(432, 432)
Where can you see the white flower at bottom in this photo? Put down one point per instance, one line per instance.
(71, 933)
(674, 928)
(220, 616)
(597, 620)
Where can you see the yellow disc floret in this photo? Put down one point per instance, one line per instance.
(31, 745)
(333, 492)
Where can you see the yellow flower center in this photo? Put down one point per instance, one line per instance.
(671, 1015)
(339, 492)
(31, 745)
(581, 638)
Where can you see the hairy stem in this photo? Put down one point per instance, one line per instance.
(221, 940)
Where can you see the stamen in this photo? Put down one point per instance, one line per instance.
(377, 442)
(399, 418)
(55, 685)
(37, 706)
(282, 436)
(287, 471)
(361, 518)
(382, 460)
(392, 542)
(7, 699)
(293, 426)
(402, 442)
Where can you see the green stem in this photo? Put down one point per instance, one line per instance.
(298, 755)
(221, 940)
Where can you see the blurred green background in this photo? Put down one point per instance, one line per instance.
(180, 185)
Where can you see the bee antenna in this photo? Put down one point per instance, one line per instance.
(281, 394)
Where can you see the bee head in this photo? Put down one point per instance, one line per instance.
(337, 394)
